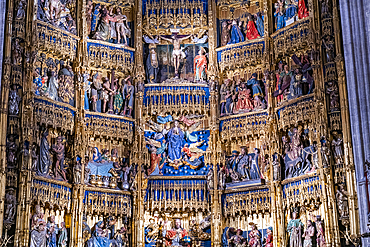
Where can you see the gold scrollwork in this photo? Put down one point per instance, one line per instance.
(109, 57)
(56, 41)
(293, 38)
(113, 127)
(241, 55)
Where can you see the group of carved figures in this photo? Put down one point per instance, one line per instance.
(104, 233)
(56, 86)
(313, 235)
(49, 161)
(287, 12)
(243, 167)
(294, 82)
(301, 157)
(235, 238)
(236, 31)
(122, 172)
(239, 96)
(107, 23)
(154, 69)
(47, 234)
(109, 95)
(177, 235)
(57, 13)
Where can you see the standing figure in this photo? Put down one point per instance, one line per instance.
(225, 33)
(118, 98)
(156, 162)
(89, 14)
(236, 34)
(123, 31)
(254, 236)
(95, 17)
(325, 153)
(96, 87)
(308, 234)
(58, 151)
(103, 28)
(279, 16)
(21, 12)
(332, 90)
(87, 90)
(251, 32)
(210, 179)
(256, 90)
(175, 142)
(77, 171)
(10, 204)
(302, 10)
(255, 172)
(177, 53)
(223, 173)
(291, 10)
(44, 157)
(276, 167)
(66, 85)
(295, 228)
(52, 90)
(280, 69)
(38, 235)
(320, 236)
(200, 66)
(243, 164)
(128, 94)
(106, 92)
(296, 82)
(260, 24)
(36, 217)
(112, 26)
(175, 235)
(152, 65)
(14, 100)
(244, 103)
(342, 201)
(63, 236)
(223, 93)
(52, 236)
(337, 148)
(268, 240)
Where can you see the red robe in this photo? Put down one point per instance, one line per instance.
(302, 10)
(269, 242)
(171, 234)
(252, 32)
(244, 101)
(155, 160)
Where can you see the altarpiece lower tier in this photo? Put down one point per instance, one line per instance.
(175, 123)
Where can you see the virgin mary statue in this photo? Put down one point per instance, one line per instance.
(175, 142)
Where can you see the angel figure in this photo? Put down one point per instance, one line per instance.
(157, 156)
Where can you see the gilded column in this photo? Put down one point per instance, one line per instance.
(5, 83)
(354, 222)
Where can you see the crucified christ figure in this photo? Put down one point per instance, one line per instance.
(177, 53)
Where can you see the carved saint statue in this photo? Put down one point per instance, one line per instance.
(175, 235)
(200, 66)
(58, 150)
(210, 179)
(268, 240)
(10, 204)
(177, 53)
(254, 236)
(295, 228)
(63, 236)
(308, 234)
(152, 65)
(337, 148)
(103, 28)
(342, 201)
(320, 229)
(44, 157)
(128, 95)
(123, 31)
(38, 235)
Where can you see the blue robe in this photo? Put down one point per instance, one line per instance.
(255, 169)
(163, 120)
(236, 35)
(256, 88)
(280, 20)
(98, 241)
(260, 26)
(95, 18)
(291, 11)
(175, 143)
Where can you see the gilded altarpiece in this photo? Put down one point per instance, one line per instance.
(175, 123)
